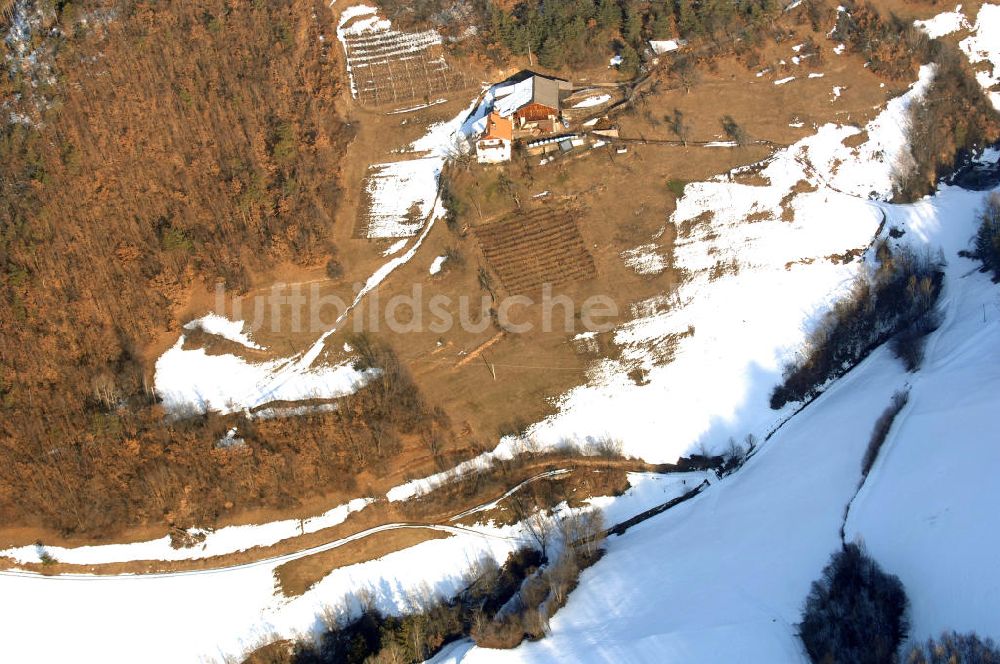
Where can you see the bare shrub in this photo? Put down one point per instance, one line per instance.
(270, 650)
(608, 448)
(908, 344)
(735, 454)
(684, 70)
(539, 527)
(584, 530)
(734, 131)
(953, 648)
(681, 128)
(881, 430)
(500, 634)
(987, 242)
(580, 533)
(901, 296)
(334, 269)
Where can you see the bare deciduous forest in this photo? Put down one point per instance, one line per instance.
(166, 146)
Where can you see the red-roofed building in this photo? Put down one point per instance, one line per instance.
(494, 145)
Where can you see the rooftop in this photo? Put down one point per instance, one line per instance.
(498, 127)
(535, 89)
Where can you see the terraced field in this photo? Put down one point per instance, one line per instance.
(528, 250)
(387, 66)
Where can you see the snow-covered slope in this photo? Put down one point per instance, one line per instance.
(723, 577)
(211, 614)
(929, 512)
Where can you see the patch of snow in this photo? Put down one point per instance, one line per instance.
(402, 195)
(355, 11)
(645, 259)
(190, 381)
(231, 439)
(372, 24)
(419, 107)
(983, 46)
(944, 23)
(839, 49)
(593, 101)
(782, 81)
(222, 613)
(221, 326)
(437, 264)
(223, 541)
(396, 247)
(816, 75)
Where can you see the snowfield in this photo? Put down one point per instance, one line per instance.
(722, 578)
(928, 511)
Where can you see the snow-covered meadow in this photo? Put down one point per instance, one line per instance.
(402, 195)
